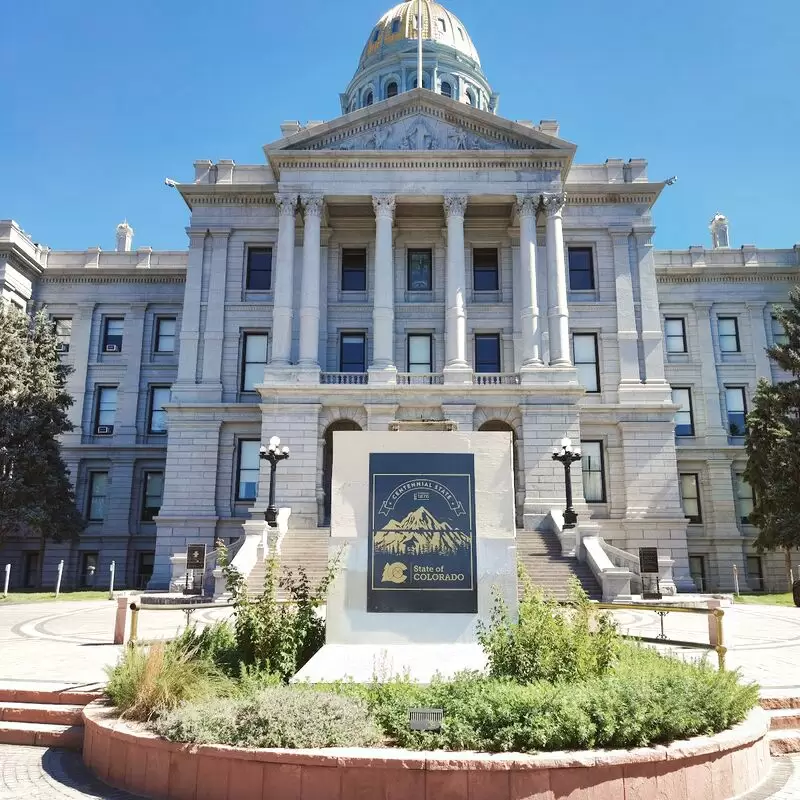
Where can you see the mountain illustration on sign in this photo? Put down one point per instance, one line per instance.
(420, 532)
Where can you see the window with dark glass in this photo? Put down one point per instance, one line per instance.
(755, 576)
(779, 336)
(420, 358)
(259, 268)
(728, 328)
(354, 269)
(584, 357)
(30, 576)
(684, 418)
(106, 410)
(594, 482)
(675, 333)
(744, 496)
(157, 417)
(697, 571)
(485, 269)
(62, 326)
(420, 270)
(470, 97)
(353, 352)
(144, 568)
(88, 574)
(690, 496)
(165, 334)
(581, 268)
(153, 493)
(442, 25)
(112, 334)
(487, 352)
(736, 405)
(376, 34)
(447, 89)
(391, 89)
(254, 359)
(248, 466)
(98, 487)
(396, 25)
(368, 98)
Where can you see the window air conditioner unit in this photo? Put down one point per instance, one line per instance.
(62, 347)
(111, 348)
(105, 430)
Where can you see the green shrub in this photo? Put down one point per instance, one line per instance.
(150, 680)
(550, 642)
(281, 716)
(215, 643)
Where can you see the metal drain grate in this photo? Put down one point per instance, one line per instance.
(425, 719)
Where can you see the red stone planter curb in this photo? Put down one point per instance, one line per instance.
(704, 768)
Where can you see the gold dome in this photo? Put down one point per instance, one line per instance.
(438, 25)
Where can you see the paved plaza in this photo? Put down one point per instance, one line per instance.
(53, 645)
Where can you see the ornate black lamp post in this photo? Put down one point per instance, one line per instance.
(567, 456)
(274, 453)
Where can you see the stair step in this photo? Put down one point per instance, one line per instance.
(784, 718)
(37, 734)
(779, 702)
(48, 696)
(45, 713)
(783, 742)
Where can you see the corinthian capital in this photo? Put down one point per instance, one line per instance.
(553, 203)
(287, 204)
(312, 204)
(455, 205)
(383, 205)
(527, 204)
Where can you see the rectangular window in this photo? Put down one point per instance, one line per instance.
(420, 358)
(690, 496)
(744, 495)
(728, 328)
(779, 336)
(165, 334)
(112, 334)
(755, 576)
(30, 577)
(697, 570)
(248, 469)
(581, 268)
(353, 352)
(153, 494)
(354, 270)
(487, 352)
(584, 356)
(736, 405)
(144, 569)
(106, 410)
(98, 487)
(420, 270)
(675, 334)
(594, 483)
(684, 418)
(62, 326)
(259, 269)
(485, 269)
(88, 575)
(157, 417)
(254, 359)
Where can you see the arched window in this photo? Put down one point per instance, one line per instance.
(368, 98)
(424, 81)
(391, 89)
(519, 482)
(396, 25)
(470, 97)
(447, 89)
(327, 462)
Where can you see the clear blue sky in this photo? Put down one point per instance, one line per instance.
(101, 100)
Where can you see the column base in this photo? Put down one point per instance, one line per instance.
(306, 373)
(382, 376)
(637, 392)
(458, 374)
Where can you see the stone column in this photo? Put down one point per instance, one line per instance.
(758, 331)
(79, 357)
(529, 300)
(309, 285)
(128, 392)
(709, 391)
(557, 310)
(190, 318)
(652, 336)
(457, 369)
(284, 281)
(215, 316)
(382, 366)
(627, 337)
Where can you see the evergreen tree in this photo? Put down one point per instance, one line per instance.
(36, 497)
(773, 446)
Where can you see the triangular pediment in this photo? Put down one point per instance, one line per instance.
(419, 120)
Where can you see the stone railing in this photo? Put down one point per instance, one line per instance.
(420, 378)
(614, 581)
(495, 378)
(343, 378)
(624, 560)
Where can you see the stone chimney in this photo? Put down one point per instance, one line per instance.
(124, 237)
(720, 236)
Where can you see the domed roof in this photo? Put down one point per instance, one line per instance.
(438, 25)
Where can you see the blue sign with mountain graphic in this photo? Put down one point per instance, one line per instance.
(422, 533)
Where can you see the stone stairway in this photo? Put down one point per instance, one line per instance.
(44, 718)
(540, 555)
(308, 548)
(784, 724)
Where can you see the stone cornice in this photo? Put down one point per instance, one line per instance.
(759, 275)
(242, 194)
(79, 276)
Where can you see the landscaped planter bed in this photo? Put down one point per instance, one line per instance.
(130, 757)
